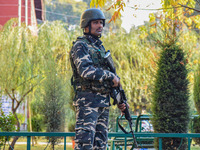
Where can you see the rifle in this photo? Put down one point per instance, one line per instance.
(118, 94)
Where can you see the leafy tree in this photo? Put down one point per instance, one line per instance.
(19, 72)
(117, 6)
(170, 7)
(170, 97)
(54, 42)
(24, 59)
(135, 65)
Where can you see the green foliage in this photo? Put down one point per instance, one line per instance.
(70, 120)
(21, 117)
(55, 41)
(26, 61)
(135, 65)
(196, 129)
(37, 122)
(71, 126)
(37, 119)
(196, 94)
(16, 57)
(69, 11)
(113, 114)
(54, 100)
(65, 10)
(170, 97)
(197, 89)
(7, 123)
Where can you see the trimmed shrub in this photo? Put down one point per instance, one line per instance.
(170, 106)
(196, 129)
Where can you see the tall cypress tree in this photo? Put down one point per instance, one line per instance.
(170, 106)
(54, 106)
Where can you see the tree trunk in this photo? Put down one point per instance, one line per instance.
(4, 145)
(33, 141)
(18, 129)
(13, 143)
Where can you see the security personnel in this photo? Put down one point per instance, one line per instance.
(92, 81)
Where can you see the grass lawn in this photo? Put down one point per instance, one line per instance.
(40, 147)
(196, 147)
(23, 140)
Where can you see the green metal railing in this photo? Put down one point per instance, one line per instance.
(189, 136)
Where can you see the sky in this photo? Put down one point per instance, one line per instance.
(137, 17)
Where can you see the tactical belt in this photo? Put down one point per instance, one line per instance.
(92, 91)
(88, 86)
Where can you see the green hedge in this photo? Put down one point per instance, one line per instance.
(170, 97)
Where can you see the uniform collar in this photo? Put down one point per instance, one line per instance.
(93, 39)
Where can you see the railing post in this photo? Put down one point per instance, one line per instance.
(64, 142)
(189, 143)
(125, 143)
(160, 143)
(113, 145)
(28, 142)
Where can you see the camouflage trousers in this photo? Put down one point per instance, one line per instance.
(91, 128)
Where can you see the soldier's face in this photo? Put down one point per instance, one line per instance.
(96, 27)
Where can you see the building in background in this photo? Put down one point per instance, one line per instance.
(6, 107)
(28, 11)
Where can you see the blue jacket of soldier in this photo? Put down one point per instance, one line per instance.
(91, 76)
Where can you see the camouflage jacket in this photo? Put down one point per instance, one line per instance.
(91, 75)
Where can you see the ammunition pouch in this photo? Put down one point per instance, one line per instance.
(91, 86)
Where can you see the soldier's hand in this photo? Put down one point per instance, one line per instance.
(122, 107)
(116, 82)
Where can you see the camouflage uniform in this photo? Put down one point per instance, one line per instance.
(92, 79)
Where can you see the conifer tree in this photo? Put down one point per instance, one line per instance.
(170, 97)
(196, 93)
(54, 106)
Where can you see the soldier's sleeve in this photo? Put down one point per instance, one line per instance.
(85, 66)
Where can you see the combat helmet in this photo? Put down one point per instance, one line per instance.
(91, 14)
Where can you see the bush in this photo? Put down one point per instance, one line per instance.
(196, 129)
(196, 93)
(7, 123)
(170, 97)
(197, 89)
